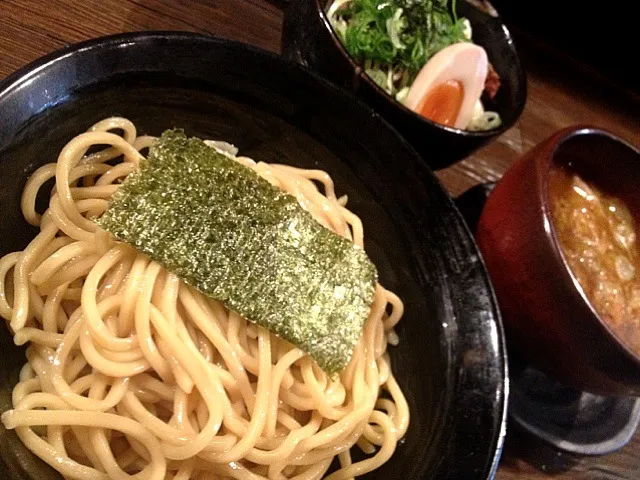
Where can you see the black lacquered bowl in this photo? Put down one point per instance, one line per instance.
(451, 358)
(309, 39)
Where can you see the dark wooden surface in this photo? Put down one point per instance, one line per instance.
(558, 97)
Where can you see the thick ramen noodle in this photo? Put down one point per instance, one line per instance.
(132, 373)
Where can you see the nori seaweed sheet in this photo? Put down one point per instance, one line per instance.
(235, 237)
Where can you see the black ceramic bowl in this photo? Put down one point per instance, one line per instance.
(309, 39)
(451, 358)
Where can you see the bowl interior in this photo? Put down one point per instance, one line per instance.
(450, 361)
(488, 32)
(611, 165)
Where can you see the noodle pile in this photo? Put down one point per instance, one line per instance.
(133, 373)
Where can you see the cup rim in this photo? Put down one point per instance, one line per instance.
(548, 162)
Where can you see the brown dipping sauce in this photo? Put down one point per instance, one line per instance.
(597, 234)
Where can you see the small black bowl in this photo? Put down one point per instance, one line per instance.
(451, 359)
(309, 39)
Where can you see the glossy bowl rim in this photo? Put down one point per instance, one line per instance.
(547, 162)
(21, 78)
(360, 73)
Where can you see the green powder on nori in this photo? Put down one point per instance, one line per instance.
(235, 237)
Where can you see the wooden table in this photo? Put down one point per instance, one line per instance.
(557, 97)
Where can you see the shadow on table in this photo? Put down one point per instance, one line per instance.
(279, 3)
(523, 447)
(520, 446)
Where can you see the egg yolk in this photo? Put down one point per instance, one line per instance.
(443, 102)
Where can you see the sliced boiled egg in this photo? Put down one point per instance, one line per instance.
(449, 86)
